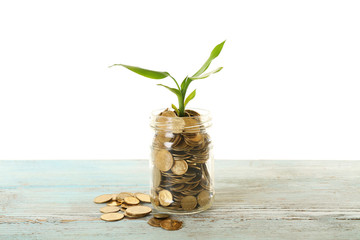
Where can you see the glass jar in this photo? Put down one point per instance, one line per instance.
(181, 163)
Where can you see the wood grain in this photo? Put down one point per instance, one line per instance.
(254, 200)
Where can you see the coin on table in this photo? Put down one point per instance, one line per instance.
(138, 210)
(103, 198)
(110, 217)
(161, 215)
(143, 197)
(131, 200)
(203, 198)
(165, 197)
(109, 209)
(114, 204)
(131, 216)
(180, 167)
(123, 195)
(154, 222)
(164, 160)
(188, 203)
(171, 224)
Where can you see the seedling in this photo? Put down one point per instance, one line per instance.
(180, 90)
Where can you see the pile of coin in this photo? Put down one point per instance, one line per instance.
(180, 151)
(130, 206)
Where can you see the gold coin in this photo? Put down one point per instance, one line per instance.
(124, 205)
(143, 197)
(138, 210)
(171, 224)
(180, 167)
(161, 215)
(109, 209)
(114, 197)
(103, 198)
(188, 203)
(177, 125)
(131, 200)
(165, 198)
(203, 198)
(131, 216)
(163, 160)
(113, 204)
(110, 217)
(156, 177)
(168, 113)
(123, 195)
(154, 222)
(191, 125)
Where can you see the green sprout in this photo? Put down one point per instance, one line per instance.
(180, 90)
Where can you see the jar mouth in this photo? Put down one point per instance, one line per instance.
(161, 122)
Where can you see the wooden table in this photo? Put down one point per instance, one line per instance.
(254, 200)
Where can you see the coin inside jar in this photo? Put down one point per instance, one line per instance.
(203, 198)
(170, 224)
(165, 197)
(163, 160)
(188, 203)
(180, 167)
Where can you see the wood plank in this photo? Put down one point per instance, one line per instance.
(254, 200)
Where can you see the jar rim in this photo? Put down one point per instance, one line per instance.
(156, 120)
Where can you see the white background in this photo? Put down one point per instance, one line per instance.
(289, 88)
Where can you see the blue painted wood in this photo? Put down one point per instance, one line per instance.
(254, 200)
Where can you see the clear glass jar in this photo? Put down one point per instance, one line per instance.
(181, 163)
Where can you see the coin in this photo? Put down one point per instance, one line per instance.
(123, 195)
(103, 198)
(168, 113)
(109, 209)
(143, 197)
(203, 198)
(191, 125)
(110, 217)
(171, 224)
(165, 197)
(180, 167)
(154, 222)
(161, 215)
(177, 125)
(131, 200)
(138, 210)
(131, 216)
(163, 160)
(188, 203)
(156, 177)
(124, 205)
(113, 204)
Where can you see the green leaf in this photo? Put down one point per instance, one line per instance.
(145, 72)
(190, 97)
(207, 74)
(174, 90)
(175, 108)
(214, 53)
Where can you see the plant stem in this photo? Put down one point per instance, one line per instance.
(181, 107)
